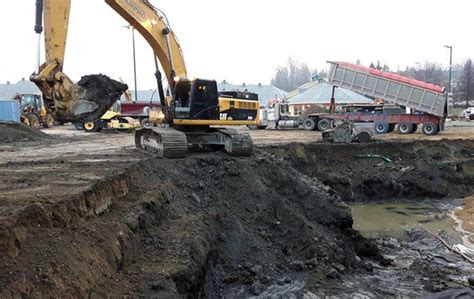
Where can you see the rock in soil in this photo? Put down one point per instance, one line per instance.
(470, 280)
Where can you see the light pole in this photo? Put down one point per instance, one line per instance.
(39, 29)
(134, 60)
(450, 68)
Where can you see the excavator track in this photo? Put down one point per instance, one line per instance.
(161, 142)
(237, 144)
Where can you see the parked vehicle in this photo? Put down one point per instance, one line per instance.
(277, 116)
(33, 112)
(139, 110)
(468, 113)
(427, 103)
(112, 119)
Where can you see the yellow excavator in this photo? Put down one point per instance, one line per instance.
(188, 116)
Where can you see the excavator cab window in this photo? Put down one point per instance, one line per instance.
(182, 97)
(204, 100)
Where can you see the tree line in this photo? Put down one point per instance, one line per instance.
(294, 74)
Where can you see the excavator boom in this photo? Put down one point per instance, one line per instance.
(154, 27)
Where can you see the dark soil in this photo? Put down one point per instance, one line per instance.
(13, 133)
(213, 226)
(98, 89)
(415, 169)
(204, 226)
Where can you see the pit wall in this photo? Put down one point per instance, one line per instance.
(387, 170)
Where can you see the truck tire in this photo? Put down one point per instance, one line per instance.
(324, 124)
(405, 128)
(430, 129)
(48, 121)
(309, 124)
(33, 120)
(381, 128)
(79, 126)
(364, 137)
(145, 123)
(92, 126)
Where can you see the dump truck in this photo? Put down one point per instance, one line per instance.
(428, 103)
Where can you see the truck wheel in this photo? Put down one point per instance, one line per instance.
(145, 123)
(381, 128)
(430, 129)
(324, 124)
(309, 124)
(79, 126)
(405, 128)
(92, 126)
(48, 121)
(33, 120)
(364, 137)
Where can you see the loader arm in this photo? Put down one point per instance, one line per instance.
(94, 95)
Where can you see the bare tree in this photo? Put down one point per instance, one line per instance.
(427, 72)
(292, 75)
(466, 83)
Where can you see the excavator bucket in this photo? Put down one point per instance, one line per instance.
(93, 95)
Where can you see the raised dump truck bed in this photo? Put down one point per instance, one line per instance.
(400, 90)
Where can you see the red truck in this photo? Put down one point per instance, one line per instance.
(428, 103)
(138, 110)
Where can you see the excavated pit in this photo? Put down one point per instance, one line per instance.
(387, 170)
(214, 226)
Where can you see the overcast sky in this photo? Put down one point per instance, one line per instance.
(245, 40)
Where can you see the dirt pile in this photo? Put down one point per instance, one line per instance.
(13, 132)
(95, 95)
(385, 170)
(209, 225)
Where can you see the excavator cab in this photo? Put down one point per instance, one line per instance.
(197, 99)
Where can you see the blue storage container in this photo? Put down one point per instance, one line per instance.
(9, 111)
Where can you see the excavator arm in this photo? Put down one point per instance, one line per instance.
(90, 98)
(154, 27)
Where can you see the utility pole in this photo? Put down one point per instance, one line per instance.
(134, 61)
(450, 68)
